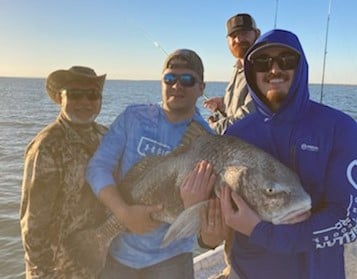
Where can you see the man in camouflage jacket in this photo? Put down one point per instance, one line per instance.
(56, 200)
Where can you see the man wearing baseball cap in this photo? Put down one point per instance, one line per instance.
(150, 130)
(242, 32)
(319, 143)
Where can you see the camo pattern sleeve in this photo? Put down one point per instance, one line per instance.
(55, 200)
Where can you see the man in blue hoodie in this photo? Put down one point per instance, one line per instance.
(320, 144)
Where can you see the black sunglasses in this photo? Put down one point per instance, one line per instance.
(264, 62)
(77, 94)
(186, 80)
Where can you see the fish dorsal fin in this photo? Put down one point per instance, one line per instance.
(193, 131)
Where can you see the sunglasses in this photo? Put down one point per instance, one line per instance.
(78, 94)
(285, 61)
(186, 80)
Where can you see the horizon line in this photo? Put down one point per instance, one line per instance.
(126, 79)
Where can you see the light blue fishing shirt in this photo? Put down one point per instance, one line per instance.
(139, 131)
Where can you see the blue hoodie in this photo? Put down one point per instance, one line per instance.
(320, 144)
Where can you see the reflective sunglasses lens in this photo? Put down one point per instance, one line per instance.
(187, 80)
(170, 79)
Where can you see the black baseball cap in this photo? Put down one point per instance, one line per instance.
(240, 22)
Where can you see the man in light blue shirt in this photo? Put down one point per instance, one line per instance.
(142, 130)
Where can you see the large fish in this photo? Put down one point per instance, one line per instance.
(270, 188)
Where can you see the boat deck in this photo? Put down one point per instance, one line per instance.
(209, 264)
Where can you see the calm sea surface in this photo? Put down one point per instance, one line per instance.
(25, 109)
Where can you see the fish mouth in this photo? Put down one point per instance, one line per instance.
(284, 219)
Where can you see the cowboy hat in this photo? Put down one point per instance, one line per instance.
(58, 80)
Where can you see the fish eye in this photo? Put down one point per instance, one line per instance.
(270, 190)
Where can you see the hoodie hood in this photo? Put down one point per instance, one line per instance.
(298, 94)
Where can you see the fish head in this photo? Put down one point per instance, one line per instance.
(274, 200)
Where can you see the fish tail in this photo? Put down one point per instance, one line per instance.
(89, 248)
(186, 224)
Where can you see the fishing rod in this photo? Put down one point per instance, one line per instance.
(221, 112)
(276, 12)
(157, 45)
(325, 52)
(150, 39)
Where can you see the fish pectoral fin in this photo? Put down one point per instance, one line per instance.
(185, 225)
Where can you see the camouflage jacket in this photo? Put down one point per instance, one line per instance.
(56, 200)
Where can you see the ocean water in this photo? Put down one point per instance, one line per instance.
(25, 109)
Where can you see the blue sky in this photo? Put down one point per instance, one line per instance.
(125, 38)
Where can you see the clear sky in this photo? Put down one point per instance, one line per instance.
(126, 38)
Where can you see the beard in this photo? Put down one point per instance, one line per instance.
(76, 120)
(240, 49)
(275, 97)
